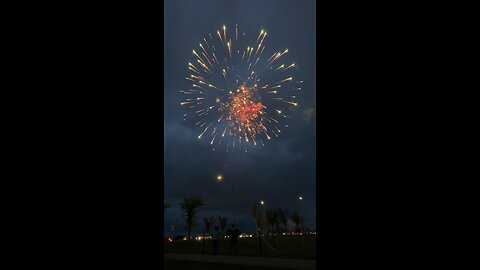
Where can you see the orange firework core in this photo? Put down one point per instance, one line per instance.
(244, 107)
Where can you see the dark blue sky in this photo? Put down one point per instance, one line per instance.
(278, 172)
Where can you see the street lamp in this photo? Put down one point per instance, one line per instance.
(300, 198)
(220, 179)
(262, 202)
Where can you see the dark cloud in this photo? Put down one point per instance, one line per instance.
(277, 172)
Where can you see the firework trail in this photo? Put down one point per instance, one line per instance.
(239, 96)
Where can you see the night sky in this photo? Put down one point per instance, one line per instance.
(278, 172)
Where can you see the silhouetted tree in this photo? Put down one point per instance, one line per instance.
(283, 217)
(278, 223)
(272, 217)
(297, 219)
(208, 225)
(259, 221)
(189, 207)
(223, 222)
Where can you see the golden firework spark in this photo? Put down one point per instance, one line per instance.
(226, 101)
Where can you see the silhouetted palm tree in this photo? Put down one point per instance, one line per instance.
(259, 221)
(208, 225)
(297, 219)
(272, 217)
(278, 223)
(283, 217)
(189, 207)
(223, 222)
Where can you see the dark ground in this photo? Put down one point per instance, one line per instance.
(290, 247)
(189, 265)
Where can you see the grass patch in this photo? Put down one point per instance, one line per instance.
(289, 247)
(189, 265)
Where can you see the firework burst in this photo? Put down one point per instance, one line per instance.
(237, 95)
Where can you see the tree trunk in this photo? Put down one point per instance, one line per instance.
(277, 228)
(304, 243)
(259, 241)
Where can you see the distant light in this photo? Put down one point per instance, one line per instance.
(219, 177)
(262, 202)
(300, 198)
